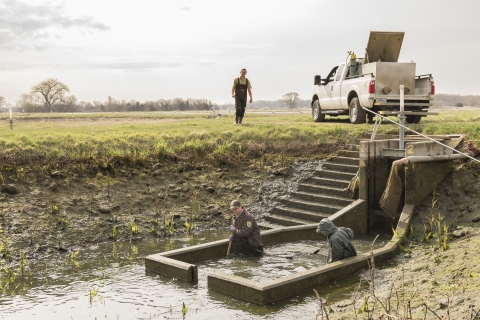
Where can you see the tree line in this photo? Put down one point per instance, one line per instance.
(52, 95)
(457, 100)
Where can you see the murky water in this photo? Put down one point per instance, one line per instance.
(110, 282)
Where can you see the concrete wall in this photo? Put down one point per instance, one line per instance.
(374, 170)
(421, 178)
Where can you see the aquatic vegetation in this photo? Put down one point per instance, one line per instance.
(4, 245)
(184, 310)
(154, 229)
(133, 229)
(437, 227)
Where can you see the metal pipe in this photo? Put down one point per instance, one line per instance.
(415, 159)
(448, 147)
(401, 134)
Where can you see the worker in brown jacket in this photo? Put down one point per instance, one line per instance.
(241, 86)
(245, 234)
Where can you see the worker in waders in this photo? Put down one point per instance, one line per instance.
(241, 86)
(338, 240)
(245, 234)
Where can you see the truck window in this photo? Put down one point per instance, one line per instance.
(331, 75)
(339, 72)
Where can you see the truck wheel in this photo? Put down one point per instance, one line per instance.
(317, 112)
(413, 119)
(357, 114)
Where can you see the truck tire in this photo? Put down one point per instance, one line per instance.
(317, 112)
(357, 114)
(413, 118)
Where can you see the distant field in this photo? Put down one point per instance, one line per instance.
(196, 135)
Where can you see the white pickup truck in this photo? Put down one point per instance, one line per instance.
(373, 83)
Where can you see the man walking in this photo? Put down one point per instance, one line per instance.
(245, 232)
(241, 86)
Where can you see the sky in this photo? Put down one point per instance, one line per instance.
(164, 49)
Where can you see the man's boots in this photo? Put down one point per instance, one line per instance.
(236, 120)
(240, 120)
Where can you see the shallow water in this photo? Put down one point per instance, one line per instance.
(109, 281)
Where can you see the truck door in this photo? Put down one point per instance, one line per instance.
(336, 88)
(326, 91)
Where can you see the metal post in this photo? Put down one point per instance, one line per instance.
(401, 116)
(11, 120)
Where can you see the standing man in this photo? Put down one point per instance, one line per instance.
(239, 91)
(245, 232)
(338, 240)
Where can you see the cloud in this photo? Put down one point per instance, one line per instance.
(186, 8)
(122, 63)
(24, 26)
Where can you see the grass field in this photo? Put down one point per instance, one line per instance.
(139, 136)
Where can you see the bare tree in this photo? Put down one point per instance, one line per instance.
(26, 103)
(2, 101)
(51, 91)
(291, 99)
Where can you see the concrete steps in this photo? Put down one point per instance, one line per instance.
(301, 214)
(322, 195)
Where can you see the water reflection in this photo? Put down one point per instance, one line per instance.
(109, 281)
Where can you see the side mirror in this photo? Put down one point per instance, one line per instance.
(317, 80)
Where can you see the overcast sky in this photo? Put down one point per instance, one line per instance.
(164, 49)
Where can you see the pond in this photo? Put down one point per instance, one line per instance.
(109, 281)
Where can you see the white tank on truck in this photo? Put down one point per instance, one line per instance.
(373, 83)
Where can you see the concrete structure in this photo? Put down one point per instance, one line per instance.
(322, 195)
(376, 158)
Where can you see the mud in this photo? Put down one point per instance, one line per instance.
(56, 213)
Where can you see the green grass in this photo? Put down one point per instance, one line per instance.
(139, 136)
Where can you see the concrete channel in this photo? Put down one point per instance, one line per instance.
(391, 184)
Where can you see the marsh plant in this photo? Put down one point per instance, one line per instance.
(184, 310)
(4, 245)
(154, 229)
(133, 229)
(133, 252)
(11, 283)
(169, 224)
(436, 227)
(115, 232)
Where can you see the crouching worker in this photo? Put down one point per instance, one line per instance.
(338, 240)
(245, 234)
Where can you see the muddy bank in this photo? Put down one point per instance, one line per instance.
(57, 212)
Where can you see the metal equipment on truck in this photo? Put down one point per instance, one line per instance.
(373, 82)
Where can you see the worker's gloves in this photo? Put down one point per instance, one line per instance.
(230, 238)
(232, 229)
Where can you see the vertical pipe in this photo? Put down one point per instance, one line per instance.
(11, 120)
(402, 118)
